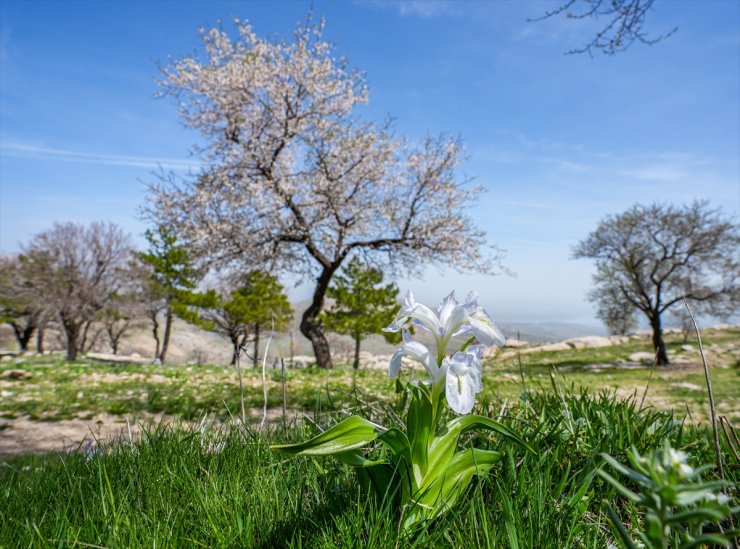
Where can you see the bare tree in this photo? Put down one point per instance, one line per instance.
(20, 303)
(651, 257)
(291, 181)
(682, 320)
(617, 314)
(124, 312)
(623, 26)
(80, 271)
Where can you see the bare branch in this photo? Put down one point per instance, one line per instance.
(624, 23)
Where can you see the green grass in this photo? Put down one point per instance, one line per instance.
(175, 489)
(62, 390)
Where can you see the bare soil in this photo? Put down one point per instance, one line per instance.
(23, 435)
(26, 436)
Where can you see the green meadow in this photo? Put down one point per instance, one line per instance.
(205, 479)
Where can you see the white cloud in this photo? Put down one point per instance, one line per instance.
(23, 150)
(658, 172)
(424, 9)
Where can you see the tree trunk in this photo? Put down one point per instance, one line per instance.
(155, 334)
(167, 331)
(310, 325)
(658, 344)
(292, 349)
(255, 358)
(72, 331)
(83, 339)
(23, 335)
(235, 346)
(356, 363)
(40, 339)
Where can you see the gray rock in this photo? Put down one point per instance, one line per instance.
(589, 342)
(645, 358)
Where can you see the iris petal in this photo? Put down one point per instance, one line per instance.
(457, 318)
(418, 352)
(426, 317)
(451, 327)
(396, 362)
(446, 307)
(459, 390)
(485, 331)
(463, 381)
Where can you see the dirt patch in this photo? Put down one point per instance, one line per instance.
(687, 385)
(602, 366)
(24, 435)
(117, 378)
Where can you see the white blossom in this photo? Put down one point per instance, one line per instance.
(451, 319)
(455, 368)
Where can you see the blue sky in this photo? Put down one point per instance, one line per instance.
(558, 141)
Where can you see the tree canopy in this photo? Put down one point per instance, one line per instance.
(293, 180)
(651, 257)
(617, 314)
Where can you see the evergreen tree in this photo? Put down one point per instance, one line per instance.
(173, 278)
(361, 305)
(259, 301)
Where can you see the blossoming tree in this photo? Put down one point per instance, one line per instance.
(292, 179)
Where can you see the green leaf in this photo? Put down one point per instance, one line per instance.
(383, 478)
(654, 528)
(707, 540)
(463, 424)
(452, 480)
(356, 458)
(418, 429)
(444, 443)
(512, 534)
(398, 443)
(626, 471)
(695, 493)
(619, 527)
(696, 515)
(578, 495)
(618, 485)
(350, 434)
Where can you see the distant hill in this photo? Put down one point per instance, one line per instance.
(192, 344)
(547, 332)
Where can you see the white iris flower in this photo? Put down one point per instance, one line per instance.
(458, 369)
